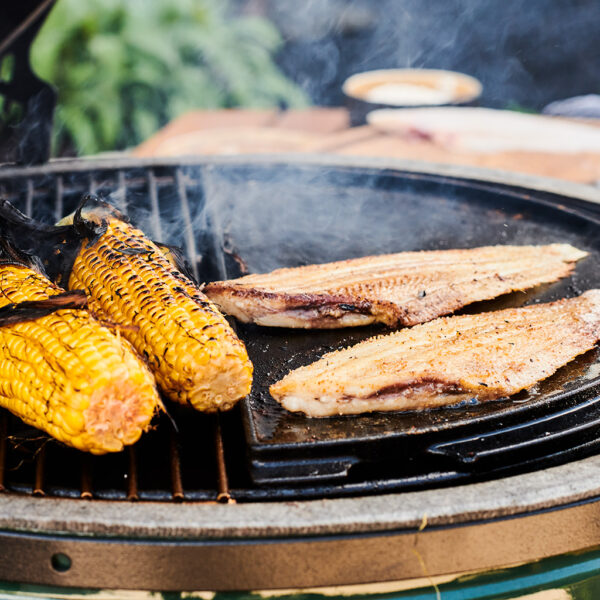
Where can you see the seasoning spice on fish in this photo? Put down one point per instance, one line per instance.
(497, 354)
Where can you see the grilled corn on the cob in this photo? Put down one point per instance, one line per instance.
(191, 349)
(66, 374)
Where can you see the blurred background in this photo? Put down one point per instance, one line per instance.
(125, 68)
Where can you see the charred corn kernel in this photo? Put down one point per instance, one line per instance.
(191, 349)
(69, 376)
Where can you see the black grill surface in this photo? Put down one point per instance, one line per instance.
(233, 217)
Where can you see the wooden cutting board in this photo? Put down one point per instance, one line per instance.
(319, 129)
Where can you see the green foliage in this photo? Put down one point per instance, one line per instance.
(516, 107)
(123, 68)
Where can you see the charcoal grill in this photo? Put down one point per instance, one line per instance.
(258, 498)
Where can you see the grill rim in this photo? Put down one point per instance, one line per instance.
(520, 495)
(496, 176)
(303, 562)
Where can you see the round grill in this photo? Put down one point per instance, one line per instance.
(259, 486)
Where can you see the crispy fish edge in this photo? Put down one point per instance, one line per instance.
(332, 311)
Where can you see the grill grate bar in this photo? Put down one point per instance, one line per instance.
(3, 436)
(37, 190)
(40, 469)
(119, 196)
(188, 229)
(223, 492)
(58, 199)
(176, 484)
(132, 476)
(42, 192)
(155, 215)
(29, 198)
(86, 478)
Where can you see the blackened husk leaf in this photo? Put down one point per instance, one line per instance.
(11, 255)
(176, 256)
(29, 310)
(56, 246)
(47, 248)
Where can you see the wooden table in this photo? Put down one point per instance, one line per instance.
(237, 131)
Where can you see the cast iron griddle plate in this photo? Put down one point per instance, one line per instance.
(285, 217)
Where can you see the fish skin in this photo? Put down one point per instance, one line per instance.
(406, 288)
(446, 361)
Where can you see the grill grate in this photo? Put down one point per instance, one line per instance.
(206, 460)
(158, 468)
(158, 198)
(212, 459)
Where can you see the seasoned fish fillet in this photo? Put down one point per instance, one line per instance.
(405, 288)
(484, 356)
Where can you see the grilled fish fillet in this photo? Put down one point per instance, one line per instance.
(405, 288)
(484, 356)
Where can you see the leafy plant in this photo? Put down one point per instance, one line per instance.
(123, 68)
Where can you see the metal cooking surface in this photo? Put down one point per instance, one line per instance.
(331, 215)
(268, 216)
(368, 220)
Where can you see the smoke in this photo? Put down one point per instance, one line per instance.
(526, 52)
(280, 215)
(327, 40)
(269, 222)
